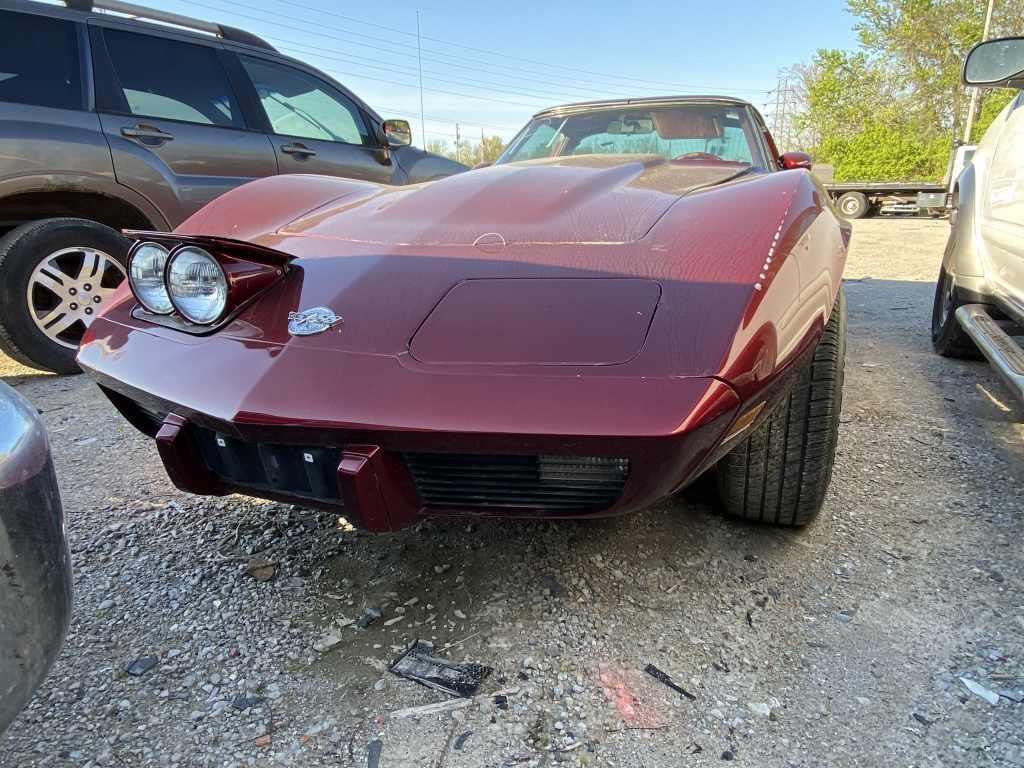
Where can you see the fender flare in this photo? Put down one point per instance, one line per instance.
(84, 183)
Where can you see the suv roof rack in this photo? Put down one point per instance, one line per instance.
(221, 30)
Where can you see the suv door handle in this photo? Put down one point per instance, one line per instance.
(143, 131)
(299, 150)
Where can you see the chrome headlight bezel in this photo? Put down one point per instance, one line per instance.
(148, 304)
(220, 304)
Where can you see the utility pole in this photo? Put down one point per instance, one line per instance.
(458, 144)
(976, 92)
(419, 58)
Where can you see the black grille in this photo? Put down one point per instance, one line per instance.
(294, 470)
(539, 483)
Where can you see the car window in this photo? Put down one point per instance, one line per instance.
(39, 61)
(684, 132)
(171, 79)
(300, 105)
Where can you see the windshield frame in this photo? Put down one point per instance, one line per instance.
(760, 154)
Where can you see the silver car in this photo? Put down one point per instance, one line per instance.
(979, 299)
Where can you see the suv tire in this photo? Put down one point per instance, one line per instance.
(948, 338)
(64, 269)
(781, 472)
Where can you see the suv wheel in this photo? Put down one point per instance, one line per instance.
(948, 338)
(780, 473)
(55, 275)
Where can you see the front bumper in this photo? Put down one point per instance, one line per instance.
(385, 441)
(35, 568)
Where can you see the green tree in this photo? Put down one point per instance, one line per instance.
(901, 89)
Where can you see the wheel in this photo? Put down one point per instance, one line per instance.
(55, 274)
(948, 338)
(853, 205)
(780, 473)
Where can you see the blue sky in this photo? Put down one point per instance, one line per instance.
(490, 66)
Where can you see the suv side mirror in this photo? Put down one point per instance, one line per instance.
(792, 160)
(996, 62)
(397, 133)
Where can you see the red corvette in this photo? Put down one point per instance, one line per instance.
(635, 293)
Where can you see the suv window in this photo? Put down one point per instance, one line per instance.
(303, 106)
(173, 80)
(39, 61)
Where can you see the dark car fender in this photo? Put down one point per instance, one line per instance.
(419, 166)
(35, 569)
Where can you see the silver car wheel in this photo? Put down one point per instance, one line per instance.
(67, 288)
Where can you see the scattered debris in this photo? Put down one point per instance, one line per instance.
(760, 708)
(141, 666)
(501, 701)
(367, 618)
(1016, 696)
(663, 677)
(439, 569)
(728, 755)
(750, 619)
(846, 615)
(327, 642)
(373, 753)
(432, 709)
(695, 748)
(242, 703)
(393, 620)
(979, 690)
(922, 719)
(459, 614)
(460, 742)
(417, 664)
(263, 741)
(260, 569)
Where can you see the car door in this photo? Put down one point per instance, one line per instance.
(314, 127)
(1002, 221)
(175, 128)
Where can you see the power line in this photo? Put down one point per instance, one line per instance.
(317, 31)
(490, 52)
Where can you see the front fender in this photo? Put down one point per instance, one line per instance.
(961, 258)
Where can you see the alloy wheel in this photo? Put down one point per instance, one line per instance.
(66, 290)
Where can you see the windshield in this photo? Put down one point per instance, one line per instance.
(699, 133)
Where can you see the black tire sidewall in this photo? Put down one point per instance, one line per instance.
(21, 250)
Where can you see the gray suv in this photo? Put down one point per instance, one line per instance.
(108, 123)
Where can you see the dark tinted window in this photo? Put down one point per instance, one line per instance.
(39, 61)
(170, 79)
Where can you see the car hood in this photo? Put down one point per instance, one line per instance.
(595, 198)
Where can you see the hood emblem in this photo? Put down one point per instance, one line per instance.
(311, 321)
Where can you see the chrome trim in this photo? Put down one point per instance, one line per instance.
(1005, 354)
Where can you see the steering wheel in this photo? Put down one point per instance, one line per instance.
(698, 156)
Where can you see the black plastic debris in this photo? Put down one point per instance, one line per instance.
(373, 753)
(460, 742)
(418, 665)
(663, 677)
(141, 666)
(501, 701)
(367, 618)
(242, 703)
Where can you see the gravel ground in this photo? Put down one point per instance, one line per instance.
(840, 645)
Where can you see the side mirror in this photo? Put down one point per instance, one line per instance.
(791, 160)
(996, 62)
(398, 133)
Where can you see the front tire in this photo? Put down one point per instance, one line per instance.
(853, 205)
(780, 473)
(55, 275)
(948, 338)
